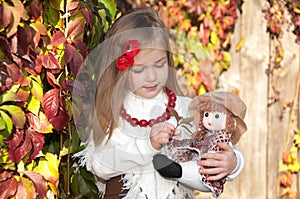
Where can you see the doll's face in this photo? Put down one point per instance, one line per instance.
(149, 73)
(214, 120)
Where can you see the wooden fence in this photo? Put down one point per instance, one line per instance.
(263, 143)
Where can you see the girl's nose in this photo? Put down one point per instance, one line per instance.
(151, 74)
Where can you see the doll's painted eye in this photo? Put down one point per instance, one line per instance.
(206, 114)
(217, 116)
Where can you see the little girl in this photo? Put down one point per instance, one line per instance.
(136, 89)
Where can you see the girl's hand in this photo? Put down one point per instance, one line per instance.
(161, 133)
(220, 164)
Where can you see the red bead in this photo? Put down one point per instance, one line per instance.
(152, 122)
(127, 117)
(171, 104)
(172, 97)
(167, 115)
(143, 123)
(123, 112)
(161, 119)
(168, 91)
(134, 122)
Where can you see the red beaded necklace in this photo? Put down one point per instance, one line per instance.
(144, 123)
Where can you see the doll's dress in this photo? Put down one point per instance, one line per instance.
(191, 149)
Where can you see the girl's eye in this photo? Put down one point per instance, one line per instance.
(217, 116)
(206, 114)
(160, 65)
(137, 69)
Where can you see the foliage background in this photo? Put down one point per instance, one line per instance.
(42, 47)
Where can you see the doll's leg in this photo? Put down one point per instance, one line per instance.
(187, 173)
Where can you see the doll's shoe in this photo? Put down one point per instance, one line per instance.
(191, 177)
(166, 167)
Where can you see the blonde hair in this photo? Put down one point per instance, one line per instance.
(145, 26)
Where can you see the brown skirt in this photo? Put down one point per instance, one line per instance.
(114, 188)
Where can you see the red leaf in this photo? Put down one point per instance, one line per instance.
(76, 87)
(73, 58)
(15, 139)
(88, 15)
(17, 148)
(14, 72)
(76, 27)
(60, 120)
(35, 8)
(5, 16)
(22, 192)
(37, 141)
(5, 175)
(54, 109)
(58, 38)
(50, 62)
(5, 47)
(39, 182)
(23, 94)
(81, 46)
(50, 103)
(52, 80)
(22, 41)
(39, 125)
(8, 188)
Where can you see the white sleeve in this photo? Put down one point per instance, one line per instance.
(239, 166)
(115, 158)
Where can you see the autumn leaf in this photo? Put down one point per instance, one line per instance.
(58, 38)
(73, 58)
(39, 123)
(16, 113)
(40, 184)
(8, 188)
(18, 146)
(48, 167)
(50, 102)
(25, 189)
(37, 143)
(54, 109)
(51, 62)
(76, 27)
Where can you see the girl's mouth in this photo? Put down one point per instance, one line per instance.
(150, 88)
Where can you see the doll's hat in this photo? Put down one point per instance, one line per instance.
(231, 102)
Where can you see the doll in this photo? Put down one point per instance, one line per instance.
(218, 117)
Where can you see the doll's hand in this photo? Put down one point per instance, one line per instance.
(161, 133)
(220, 164)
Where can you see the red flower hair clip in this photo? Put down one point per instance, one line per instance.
(131, 49)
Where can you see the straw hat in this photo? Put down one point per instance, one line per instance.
(231, 102)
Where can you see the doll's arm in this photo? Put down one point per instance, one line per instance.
(239, 166)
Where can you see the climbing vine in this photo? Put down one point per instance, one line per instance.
(276, 15)
(42, 48)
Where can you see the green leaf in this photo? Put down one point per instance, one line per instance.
(2, 124)
(111, 6)
(8, 121)
(17, 114)
(9, 96)
(186, 120)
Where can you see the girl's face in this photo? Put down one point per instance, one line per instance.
(214, 121)
(149, 73)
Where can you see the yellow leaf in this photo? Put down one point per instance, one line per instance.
(294, 167)
(240, 44)
(296, 10)
(48, 167)
(214, 38)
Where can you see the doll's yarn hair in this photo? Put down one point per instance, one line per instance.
(211, 106)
